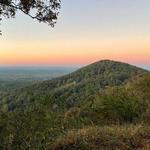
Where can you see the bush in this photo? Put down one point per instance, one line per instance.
(120, 105)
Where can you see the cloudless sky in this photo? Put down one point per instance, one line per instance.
(86, 31)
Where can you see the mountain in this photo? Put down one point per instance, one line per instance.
(106, 72)
(85, 82)
(78, 86)
(105, 104)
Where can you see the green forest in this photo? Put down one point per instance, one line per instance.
(102, 106)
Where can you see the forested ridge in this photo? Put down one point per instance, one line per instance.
(91, 108)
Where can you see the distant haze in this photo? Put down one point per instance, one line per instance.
(21, 73)
(144, 66)
(57, 68)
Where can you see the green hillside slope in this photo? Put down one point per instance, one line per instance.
(91, 108)
(78, 86)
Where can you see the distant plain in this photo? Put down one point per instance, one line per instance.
(18, 77)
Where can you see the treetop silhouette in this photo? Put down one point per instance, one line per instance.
(45, 11)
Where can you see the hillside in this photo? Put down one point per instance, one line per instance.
(76, 87)
(92, 107)
(106, 72)
(117, 118)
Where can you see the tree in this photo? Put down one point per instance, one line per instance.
(42, 10)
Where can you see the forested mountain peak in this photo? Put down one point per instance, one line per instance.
(105, 70)
(73, 88)
(107, 92)
(85, 82)
(110, 65)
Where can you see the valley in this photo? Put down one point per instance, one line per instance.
(15, 77)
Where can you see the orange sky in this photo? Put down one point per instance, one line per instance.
(75, 51)
(84, 33)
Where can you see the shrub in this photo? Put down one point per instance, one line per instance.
(119, 104)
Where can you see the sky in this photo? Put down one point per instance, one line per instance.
(86, 31)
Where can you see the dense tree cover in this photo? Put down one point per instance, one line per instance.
(78, 86)
(125, 103)
(42, 10)
(37, 117)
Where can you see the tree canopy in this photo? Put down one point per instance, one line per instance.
(45, 11)
(87, 109)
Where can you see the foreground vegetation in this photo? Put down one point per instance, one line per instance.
(127, 137)
(103, 106)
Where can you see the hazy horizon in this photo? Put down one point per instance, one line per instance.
(60, 67)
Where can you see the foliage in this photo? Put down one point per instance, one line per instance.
(121, 104)
(79, 107)
(42, 10)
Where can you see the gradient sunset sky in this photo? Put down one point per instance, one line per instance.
(86, 31)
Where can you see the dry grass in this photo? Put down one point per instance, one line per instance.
(127, 137)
